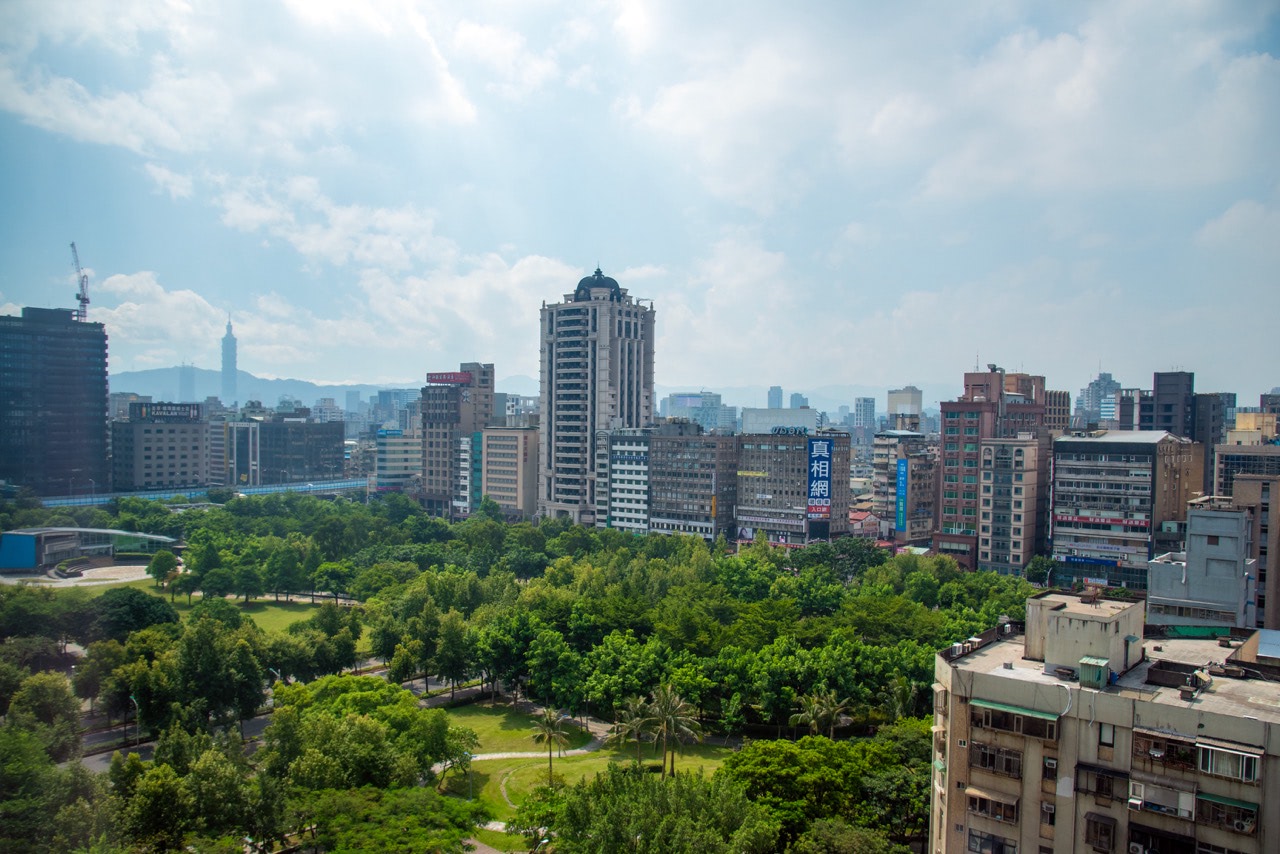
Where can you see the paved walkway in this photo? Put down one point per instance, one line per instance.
(114, 574)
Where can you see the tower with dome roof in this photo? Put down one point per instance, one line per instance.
(596, 375)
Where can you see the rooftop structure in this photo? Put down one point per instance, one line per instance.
(1070, 733)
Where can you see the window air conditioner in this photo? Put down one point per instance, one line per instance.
(1050, 763)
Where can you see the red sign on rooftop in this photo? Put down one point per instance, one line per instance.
(450, 378)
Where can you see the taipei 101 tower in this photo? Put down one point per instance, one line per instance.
(228, 367)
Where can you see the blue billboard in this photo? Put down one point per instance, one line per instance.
(900, 516)
(819, 479)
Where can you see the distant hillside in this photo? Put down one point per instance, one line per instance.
(162, 384)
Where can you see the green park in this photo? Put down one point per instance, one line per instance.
(334, 675)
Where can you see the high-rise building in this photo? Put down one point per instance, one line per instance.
(864, 412)
(622, 479)
(1260, 493)
(704, 408)
(1112, 494)
(904, 485)
(1096, 402)
(905, 401)
(509, 457)
(799, 401)
(1214, 581)
(775, 397)
(1014, 518)
(160, 446)
(229, 396)
(1070, 734)
(1234, 460)
(596, 376)
(398, 460)
(186, 383)
(53, 403)
(995, 405)
(793, 487)
(692, 483)
(1173, 403)
(1057, 410)
(456, 406)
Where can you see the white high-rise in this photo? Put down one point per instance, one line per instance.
(596, 376)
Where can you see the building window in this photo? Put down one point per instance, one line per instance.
(997, 760)
(993, 809)
(987, 843)
(1106, 735)
(1100, 832)
(1049, 770)
(1229, 764)
(1047, 813)
(1226, 813)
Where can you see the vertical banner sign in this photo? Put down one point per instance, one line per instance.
(819, 478)
(900, 516)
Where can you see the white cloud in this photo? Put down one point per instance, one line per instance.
(503, 51)
(1246, 225)
(323, 231)
(177, 186)
(238, 80)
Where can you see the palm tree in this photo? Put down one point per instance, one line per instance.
(820, 710)
(632, 723)
(673, 720)
(899, 697)
(549, 727)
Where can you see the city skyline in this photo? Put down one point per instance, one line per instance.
(1048, 189)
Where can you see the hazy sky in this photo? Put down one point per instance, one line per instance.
(811, 194)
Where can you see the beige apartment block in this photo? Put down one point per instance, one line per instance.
(509, 469)
(1071, 733)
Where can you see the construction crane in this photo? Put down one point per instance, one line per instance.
(82, 313)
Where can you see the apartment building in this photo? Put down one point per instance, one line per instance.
(904, 485)
(398, 460)
(1214, 582)
(693, 484)
(596, 376)
(793, 487)
(1069, 733)
(509, 457)
(161, 445)
(1113, 493)
(995, 404)
(456, 406)
(1014, 516)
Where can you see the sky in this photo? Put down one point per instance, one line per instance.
(812, 194)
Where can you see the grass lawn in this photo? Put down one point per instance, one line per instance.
(501, 841)
(505, 730)
(521, 776)
(270, 615)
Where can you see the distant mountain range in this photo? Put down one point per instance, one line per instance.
(163, 384)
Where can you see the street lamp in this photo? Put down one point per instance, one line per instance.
(137, 721)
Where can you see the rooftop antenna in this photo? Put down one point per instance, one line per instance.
(82, 313)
